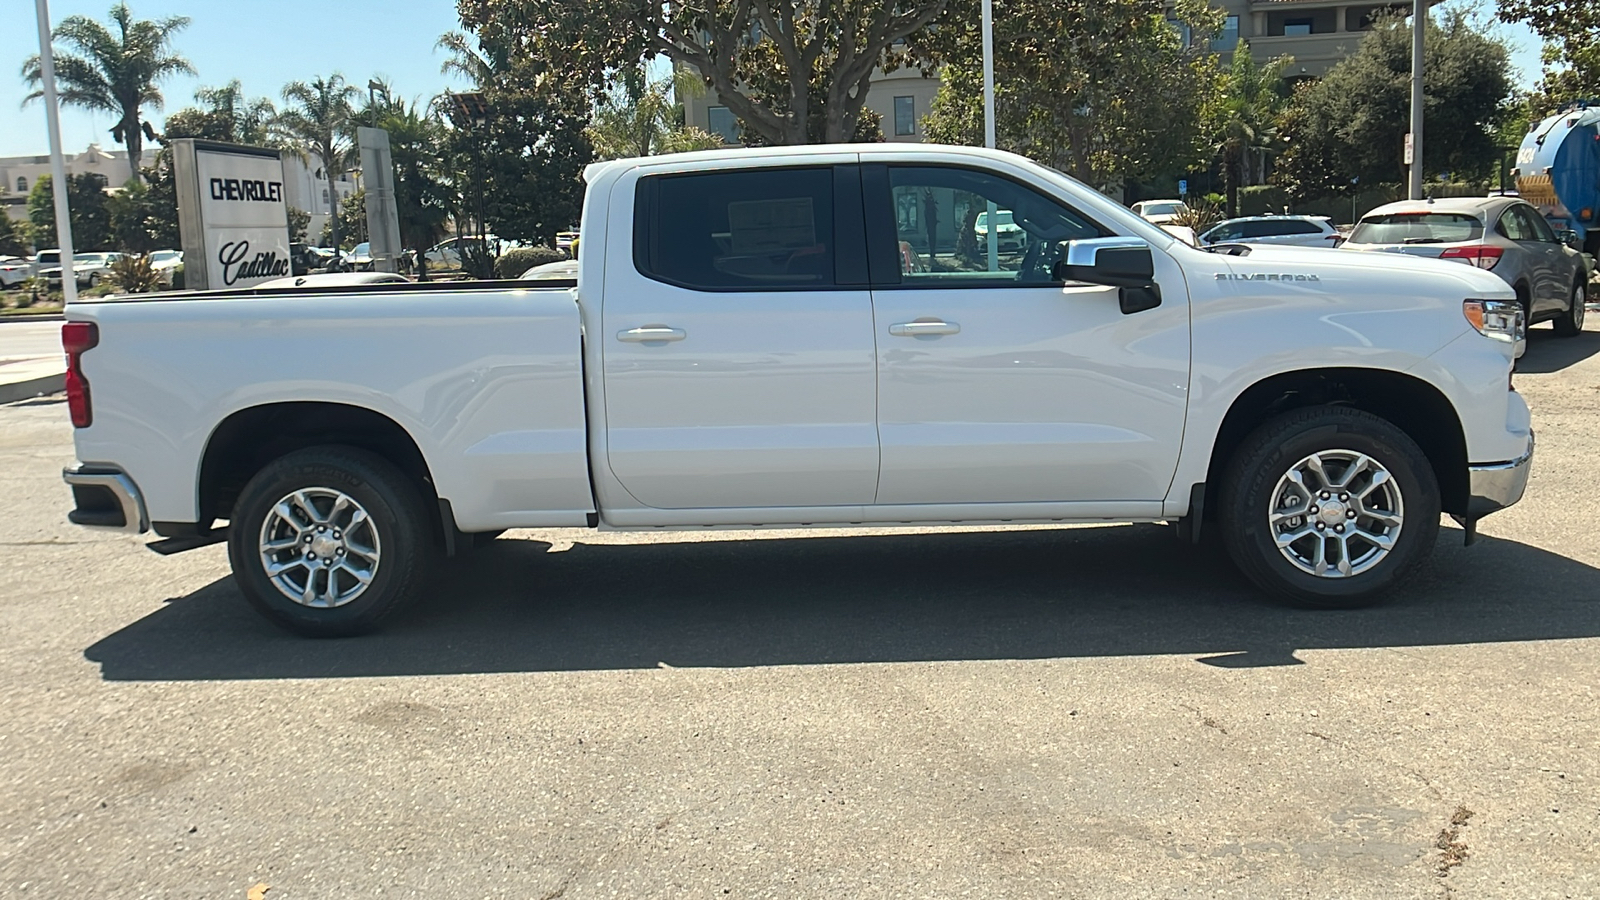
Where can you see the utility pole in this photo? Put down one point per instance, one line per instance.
(1419, 16)
(993, 220)
(58, 164)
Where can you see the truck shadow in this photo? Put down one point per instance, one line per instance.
(1548, 354)
(1114, 591)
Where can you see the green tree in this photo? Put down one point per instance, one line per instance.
(521, 164)
(1352, 124)
(11, 237)
(299, 221)
(1102, 89)
(134, 218)
(1571, 31)
(86, 198)
(316, 124)
(826, 48)
(349, 227)
(115, 70)
(1244, 119)
(640, 117)
(224, 114)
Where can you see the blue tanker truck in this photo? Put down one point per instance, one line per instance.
(1558, 171)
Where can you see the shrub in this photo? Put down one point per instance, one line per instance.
(513, 263)
(132, 273)
(1201, 214)
(177, 277)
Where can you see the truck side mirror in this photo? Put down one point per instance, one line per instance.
(1120, 262)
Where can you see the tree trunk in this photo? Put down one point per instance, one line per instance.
(1230, 175)
(133, 140)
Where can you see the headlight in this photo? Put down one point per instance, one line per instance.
(1502, 320)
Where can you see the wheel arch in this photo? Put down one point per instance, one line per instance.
(248, 439)
(1411, 404)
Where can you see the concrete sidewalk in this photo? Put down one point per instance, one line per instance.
(21, 379)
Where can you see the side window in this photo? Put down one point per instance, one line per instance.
(1300, 226)
(749, 230)
(1248, 230)
(1225, 233)
(944, 218)
(1514, 226)
(1537, 225)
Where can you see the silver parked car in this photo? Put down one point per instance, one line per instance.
(88, 269)
(1503, 234)
(1296, 231)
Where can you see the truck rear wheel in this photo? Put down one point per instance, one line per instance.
(1329, 507)
(329, 541)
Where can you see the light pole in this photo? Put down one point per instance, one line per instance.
(58, 164)
(988, 124)
(1419, 16)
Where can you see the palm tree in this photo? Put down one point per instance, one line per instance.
(316, 123)
(1244, 121)
(465, 59)
(639, 117)
(250, 121)
(116, 73)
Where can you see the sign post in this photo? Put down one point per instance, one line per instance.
(383, 216)
(233, 219)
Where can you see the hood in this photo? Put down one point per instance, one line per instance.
(1479, 283)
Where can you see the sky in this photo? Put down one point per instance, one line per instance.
(268, 45)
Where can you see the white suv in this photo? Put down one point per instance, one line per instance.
(1298, 231)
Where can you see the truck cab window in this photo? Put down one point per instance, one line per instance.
(745, 230)
(945, 218)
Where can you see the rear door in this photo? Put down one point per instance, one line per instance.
(1556, 289)
(1529, 261)
(737, 342)
(997, 383)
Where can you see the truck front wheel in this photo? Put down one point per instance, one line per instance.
(329, 541)
(1329, 507)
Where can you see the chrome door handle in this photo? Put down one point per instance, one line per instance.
(651, 333)
(922, 327)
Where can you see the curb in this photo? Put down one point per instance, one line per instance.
(34, 317)
(33, 387)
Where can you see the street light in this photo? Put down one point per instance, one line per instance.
(988, 124)
(58, 165)
(1419, 15)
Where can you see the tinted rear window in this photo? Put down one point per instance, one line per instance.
(756, 229)
(1417, 228)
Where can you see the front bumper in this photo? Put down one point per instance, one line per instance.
(105, 498)
(1495, 486)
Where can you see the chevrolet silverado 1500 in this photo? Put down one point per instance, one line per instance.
(812, 336)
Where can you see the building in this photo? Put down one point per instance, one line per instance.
(20, 173)
(304, 186)
(901, 98)
(1317, 33)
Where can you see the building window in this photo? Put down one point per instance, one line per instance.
(1296, 27)
(1183, 31)
(722, 122)
(905, 115)
(22, 185)
(1228, 38)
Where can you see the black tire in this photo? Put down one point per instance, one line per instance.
(94, 279)
(1570, 323)
(394, 508)
(1253, 479)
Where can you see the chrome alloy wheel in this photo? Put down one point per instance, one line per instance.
(1336, 513)
(319, 547)
(1580, 305)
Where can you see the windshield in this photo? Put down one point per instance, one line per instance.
(1161, 209)
(1417, 228)
(164, 255)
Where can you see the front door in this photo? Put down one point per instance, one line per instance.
(998, 384)
(737, 341)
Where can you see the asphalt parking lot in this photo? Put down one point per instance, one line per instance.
(1053, 712)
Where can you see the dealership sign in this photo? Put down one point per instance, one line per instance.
(231, 214)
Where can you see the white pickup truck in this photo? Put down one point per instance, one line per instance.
(812, 336)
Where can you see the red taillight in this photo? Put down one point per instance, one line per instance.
(1484, 256)
(76, 338)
